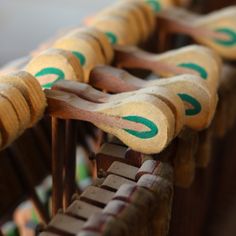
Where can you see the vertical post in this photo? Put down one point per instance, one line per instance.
(58, 145)
(70, 161)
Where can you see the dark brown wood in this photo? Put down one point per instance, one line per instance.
(70, 161)
(42, 140)
(111, 152)
(58, 154)
(27, 183)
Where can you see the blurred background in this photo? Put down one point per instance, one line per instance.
(24, 24)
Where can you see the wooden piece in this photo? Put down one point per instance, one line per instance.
(193, 59)
(53, 65)
(90, 94)
(103, 224)
(15, 97)
(204, 152)
(123, 170)
(96, 196)
(31, 90)
(105, 46)
(114, 182)
(58, 143)
(163, 191)
(70, 161)
(216, 30)
(9, 122)
(83, 47)
(129, 214)
(107, 117)
(148, 167)
(139, 197)
(184, 161)
(81, 210)
(191, 89)
(64, 225)
(109, 153)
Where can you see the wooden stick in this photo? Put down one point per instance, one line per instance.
(58, 143)
(70, 161)
(27, 183)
